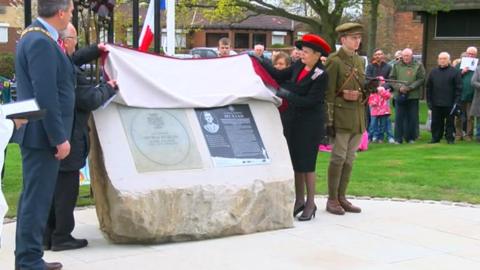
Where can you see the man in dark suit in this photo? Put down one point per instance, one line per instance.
(444, 89)
(45, 73)
(58, 235)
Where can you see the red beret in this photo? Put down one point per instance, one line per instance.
(314, 42)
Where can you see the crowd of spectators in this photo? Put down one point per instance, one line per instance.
(398, 85)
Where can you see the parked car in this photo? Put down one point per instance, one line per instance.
(266, 54)
(417, 57)
(206, 52)
(183, 55)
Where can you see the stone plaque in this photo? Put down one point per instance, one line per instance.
(159, 139)
(232, 136)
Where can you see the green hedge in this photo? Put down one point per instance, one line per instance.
(278, 46)
(7, 64)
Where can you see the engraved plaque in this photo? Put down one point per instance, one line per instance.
(232, 136)
(160, 139)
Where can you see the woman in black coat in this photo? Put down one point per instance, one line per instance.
(303, 85)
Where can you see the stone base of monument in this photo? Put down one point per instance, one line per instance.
(157, 181)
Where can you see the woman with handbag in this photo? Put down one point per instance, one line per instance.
(303, 85)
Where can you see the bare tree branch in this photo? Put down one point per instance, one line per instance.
(315, 5)
(269, 9)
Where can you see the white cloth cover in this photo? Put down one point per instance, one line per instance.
(152, 81)
(6, 129)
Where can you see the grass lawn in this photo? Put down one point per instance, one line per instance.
(420, 171)
(12, 182)
(414, 171)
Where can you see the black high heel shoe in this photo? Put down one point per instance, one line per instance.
(307, 218)
(298, 210)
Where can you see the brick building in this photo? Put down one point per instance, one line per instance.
(196, 31)
(397, 30)
(451, 31)
(10, 18)
(260, 29)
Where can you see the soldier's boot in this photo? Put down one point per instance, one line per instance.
(334, 174)
(342, 190)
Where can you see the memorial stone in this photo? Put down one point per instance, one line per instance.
(188, 150)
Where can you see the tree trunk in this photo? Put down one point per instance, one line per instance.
(372, 27)
(328, 25)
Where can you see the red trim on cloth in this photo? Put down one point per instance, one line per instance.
(103, 58)
(268, 80)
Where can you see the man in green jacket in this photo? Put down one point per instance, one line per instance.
(345, 98)
(466, 98)
(407, 96)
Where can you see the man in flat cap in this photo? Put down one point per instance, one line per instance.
(345, 97)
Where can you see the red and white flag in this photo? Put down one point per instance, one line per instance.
(148, 29)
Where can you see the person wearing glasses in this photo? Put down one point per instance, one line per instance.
(61, 222)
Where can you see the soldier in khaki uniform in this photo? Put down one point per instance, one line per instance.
(346, 98)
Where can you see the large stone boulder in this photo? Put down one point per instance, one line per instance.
(154, 179)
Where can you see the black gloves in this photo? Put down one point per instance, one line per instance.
(331, 131)
(260, 60)
(456, 110)
(283, 93)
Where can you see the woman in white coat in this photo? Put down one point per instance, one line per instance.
(6, 130)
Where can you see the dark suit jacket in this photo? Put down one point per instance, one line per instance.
(309, 93)
(306, 112)
(45, 73)
(88, 97)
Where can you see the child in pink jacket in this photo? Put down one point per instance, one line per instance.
(380, 115)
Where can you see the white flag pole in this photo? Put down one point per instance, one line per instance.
(170, 27)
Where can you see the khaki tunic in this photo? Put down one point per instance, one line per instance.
(345, 116)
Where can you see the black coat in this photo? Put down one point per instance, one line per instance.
(375, 70)
(444, 87)
(87, 99)
(304, 119)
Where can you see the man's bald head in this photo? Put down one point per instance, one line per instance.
(70, 30)
(471, 52)
(407, 55)
(443, 59)
(69, 37)
(259, 49)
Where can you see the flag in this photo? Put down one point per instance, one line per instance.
(146, 36)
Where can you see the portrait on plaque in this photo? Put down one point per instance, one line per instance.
(234, 140)
(159, 139)
(210, 124)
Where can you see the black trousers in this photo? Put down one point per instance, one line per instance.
(442, 122)
(406, 120)
(61, 221)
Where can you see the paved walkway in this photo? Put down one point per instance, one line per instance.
(389, 235)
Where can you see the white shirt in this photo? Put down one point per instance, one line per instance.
(6, 129)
